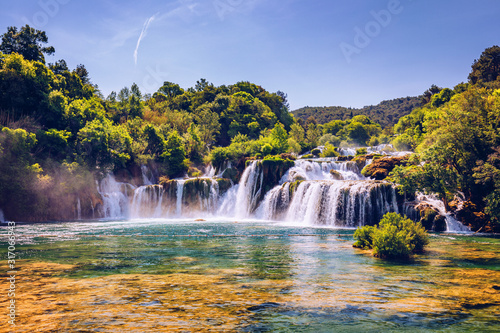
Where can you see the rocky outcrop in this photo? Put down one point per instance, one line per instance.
(429, 217)
(380, 168)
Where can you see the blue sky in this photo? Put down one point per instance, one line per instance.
(321, 53)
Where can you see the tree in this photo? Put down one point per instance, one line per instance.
(59, 67)
(313, 134)
(487, 173)
(357, 132)
(279, 138)
(442, 97)
(155, 141)
(426, 97)
(82, 72)
(208, 123)
(104, 145)
(28, 42)
(175, 156)
(201, 85)
(487, 67)
(170, 89)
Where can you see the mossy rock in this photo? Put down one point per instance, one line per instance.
(427, 215)
(380, 168)
(293, 187)
(224, 185)
(360, 161)
(472, 215)
(336, 175)
(196, 188)
(194, 172)
(273, 170)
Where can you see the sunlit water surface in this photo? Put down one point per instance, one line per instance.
(246, 276)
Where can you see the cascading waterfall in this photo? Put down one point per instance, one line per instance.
(320, 170)
(78, 209)
(452, 225)
(249, 190)
(148, 202)
(275, 203)
(114, 197)
(180, 198)
(145, 178)
(338, 203)
(322, 192)
(180, 190)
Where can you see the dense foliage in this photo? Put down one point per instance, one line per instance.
(457, 138)
(395, 237)
(385, 113)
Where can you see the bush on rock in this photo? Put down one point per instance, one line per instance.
(396, 237)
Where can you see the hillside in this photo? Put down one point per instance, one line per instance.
(385, 113)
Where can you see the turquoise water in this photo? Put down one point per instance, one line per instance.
(318, 281)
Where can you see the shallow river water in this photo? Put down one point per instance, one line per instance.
(224, 276)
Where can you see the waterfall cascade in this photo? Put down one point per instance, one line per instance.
(115, 197)
(322, 191)
(451, 223)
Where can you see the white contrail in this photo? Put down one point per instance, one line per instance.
(143, 34)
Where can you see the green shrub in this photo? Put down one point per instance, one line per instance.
(361, 151)
(218, 156)
(316, 152)
(329, 151)
(395, 237)
(266, 149)
(364, 237)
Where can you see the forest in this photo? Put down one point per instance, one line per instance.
(59, 134)
(386, 113)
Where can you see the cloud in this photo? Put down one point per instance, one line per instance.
(142, 35)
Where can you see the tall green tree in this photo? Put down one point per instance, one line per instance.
(487, 67)
(28, 42)
(279, 138)
(175, 156)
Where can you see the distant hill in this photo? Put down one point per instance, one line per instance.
(387, 113)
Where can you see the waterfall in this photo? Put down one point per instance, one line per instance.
(275, 203)
(347, 151)
(341, 203)
(93, 210)
(2, 217)
(312, 192)
(114, 197)
(148, 201)
(249, 189)
(78, 209)
(320, 170)
(145, 179)
(452, 225)
(180, 190)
